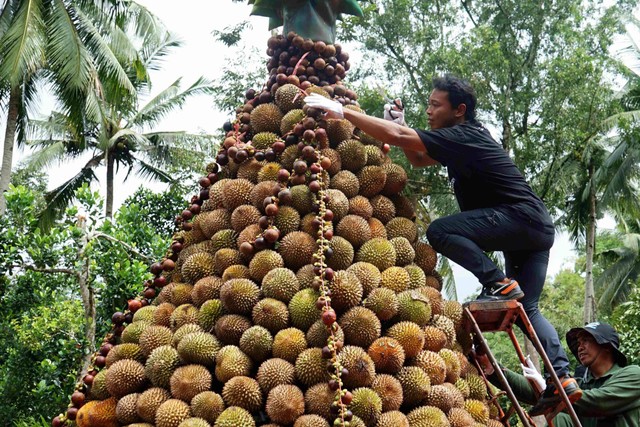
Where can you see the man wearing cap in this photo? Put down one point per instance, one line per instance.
(610, 387)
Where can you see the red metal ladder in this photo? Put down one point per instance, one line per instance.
(494, 316)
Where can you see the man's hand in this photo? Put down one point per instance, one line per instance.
(395, 112)
(332, 109)
(531, 373)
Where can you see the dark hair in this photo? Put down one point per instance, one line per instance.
(460, 92)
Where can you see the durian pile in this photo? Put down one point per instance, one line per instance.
(298, 291)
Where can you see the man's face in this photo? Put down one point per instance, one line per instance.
(440, 112)
(588, 349)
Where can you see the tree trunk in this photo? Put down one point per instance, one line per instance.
(9, 141)
(110, 174)
(589, 292)
(88, 300)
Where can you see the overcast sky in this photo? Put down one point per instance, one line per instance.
(194, 21)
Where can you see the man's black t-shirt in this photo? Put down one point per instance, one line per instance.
(481, 172)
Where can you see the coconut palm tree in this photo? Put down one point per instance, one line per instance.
(61, 45)
(116, 132)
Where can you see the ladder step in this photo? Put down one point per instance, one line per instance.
(493, 316)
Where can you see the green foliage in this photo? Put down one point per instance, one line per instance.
(44, 322)
(626, 320)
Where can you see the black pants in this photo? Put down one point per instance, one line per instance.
(465, 237)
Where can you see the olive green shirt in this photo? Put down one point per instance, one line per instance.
(612, 400)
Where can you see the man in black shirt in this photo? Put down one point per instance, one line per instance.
(499, 211)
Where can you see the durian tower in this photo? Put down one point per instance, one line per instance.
(298, 291)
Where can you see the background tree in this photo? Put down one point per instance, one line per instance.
(117, 132)
(63, 45)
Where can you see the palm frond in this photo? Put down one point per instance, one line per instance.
(70, 61)
(168, 100)
(134, 138)
(613, 121)
(101, 51)
(59, 198)
(153, 54)
(22, 47)
(53, 151)
(147, 171)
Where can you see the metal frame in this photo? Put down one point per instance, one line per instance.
(494, 316)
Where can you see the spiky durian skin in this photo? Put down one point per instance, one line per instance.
(311, 421)
(232, 362)
(338, 204)
(266, 118)
(263, 262)
(235, 416)
(458, 417)
(433, 365)
(342, 253)
(194, 422)
(477, 387)
(171, 413)
(290, 119)
(149, 402)
(395, 278)
(427, 416)
(415, 385)
(360, 366)
(124, 351)
(389, 389)
(346, 291)
(318, 334)
(124, 377)
(182, 315)
(205, 289)
(274, 372)
(372, 180)
(207, 405)
(287, 220)
(452, 363)
(405, 253)
(199, 347)
(132, 332)
(243, 392)
(368, 275)
(209, 314)
(271, 314)
(478, 410)
(288, 97)
(302, 309)
(383, 208)
(285, 403)
(318, 399)
(347, 182)
(256, 342)
(426, 257)
(126, 409)
(383, 302)
(311, 367)
(189, 380)
(238, 296)
(297, 249)
(355, 229)
(360, 205)
(414, 307)
(440, 397)
(281, 284)
(393, 418)
(409, 335)
(161, 364)
(154, 336)
(288, 344)
(352, 155)
(361, 326)
(366, 405)
(230, 327)
(387, 355)
(379, 252)
(417, 278)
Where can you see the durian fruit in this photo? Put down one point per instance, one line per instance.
(302, 276)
